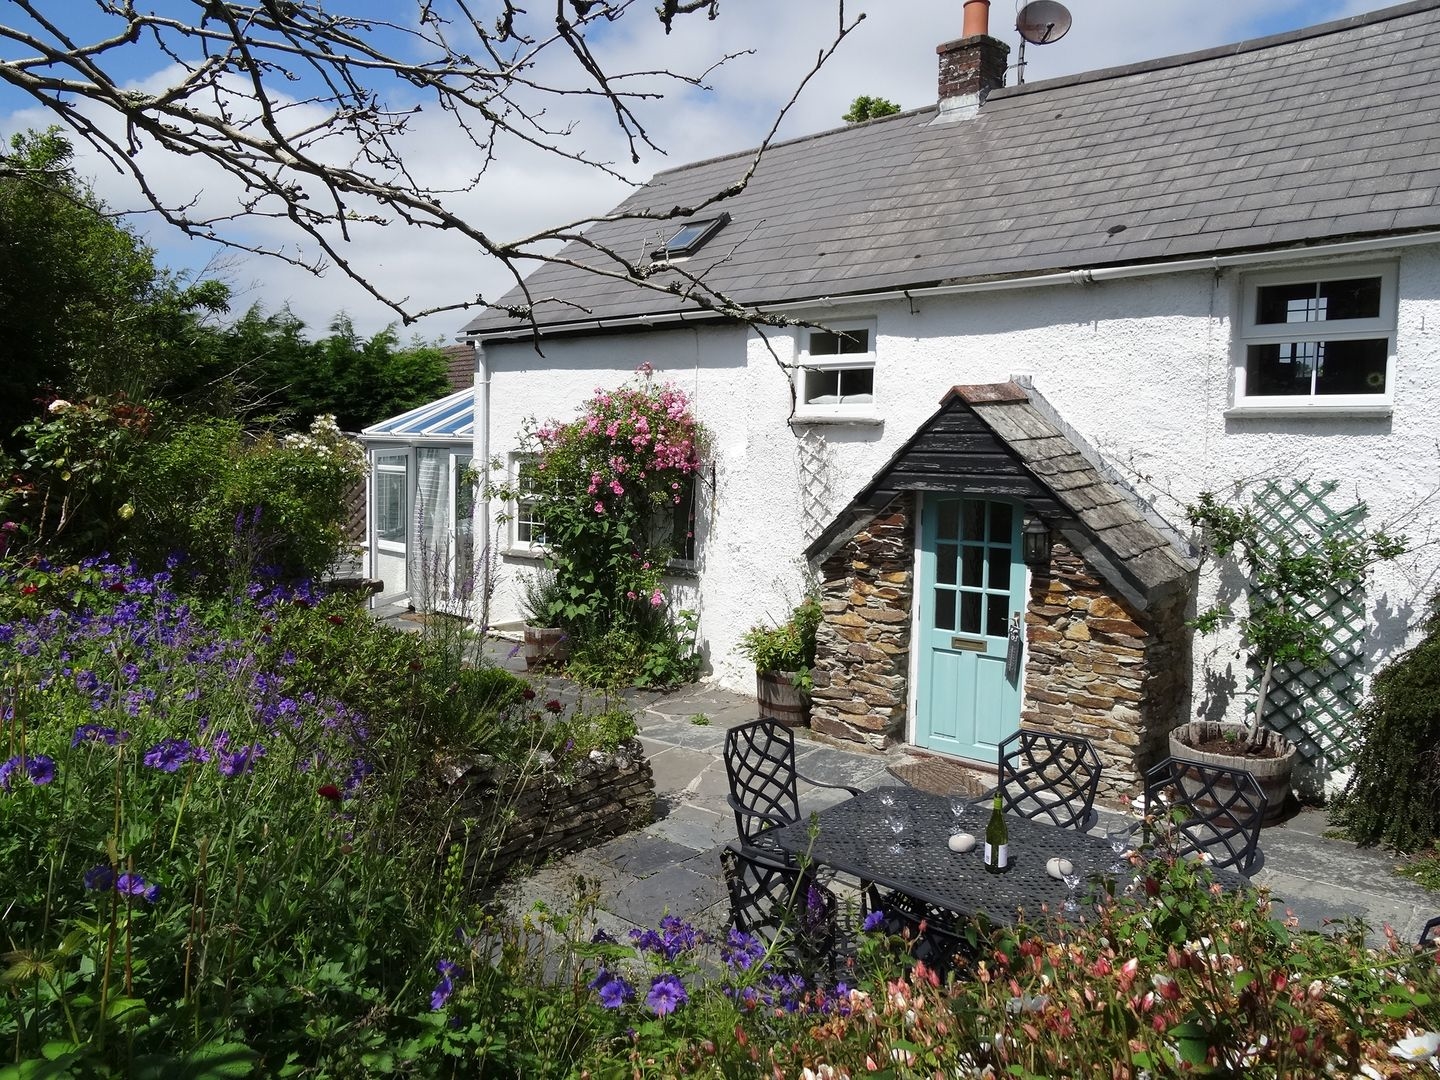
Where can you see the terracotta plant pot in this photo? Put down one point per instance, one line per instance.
(1271, 773)
(545, 645)
(777, 696)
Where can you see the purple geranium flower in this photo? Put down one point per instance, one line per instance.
(741, 950)
(99, 877)
(446, 986)
(238, 762)
(134, 885)
(667, 993)
(38, 767)
(874, 920)
(169, 754)
(42, 769)
(613, 990)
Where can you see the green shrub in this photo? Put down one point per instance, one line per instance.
(1393, 796)
(787, 647)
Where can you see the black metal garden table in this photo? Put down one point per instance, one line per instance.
(854, 838)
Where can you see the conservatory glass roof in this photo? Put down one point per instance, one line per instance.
(451, 419)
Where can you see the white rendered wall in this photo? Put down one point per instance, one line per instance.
(1140, 368)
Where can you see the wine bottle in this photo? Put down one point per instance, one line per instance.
(997, 854)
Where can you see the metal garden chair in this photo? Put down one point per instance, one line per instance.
(1208, 808)
(1430, 933)
(772, 897)
(764, 790)
(1048, 776)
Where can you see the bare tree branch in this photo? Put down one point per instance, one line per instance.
(307, 109)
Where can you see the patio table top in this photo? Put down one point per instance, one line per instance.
(854, 838)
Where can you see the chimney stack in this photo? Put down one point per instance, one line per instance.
(972, 66)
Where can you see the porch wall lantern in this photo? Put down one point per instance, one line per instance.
(1035, 542)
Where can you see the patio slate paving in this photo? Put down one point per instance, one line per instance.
(673, 863)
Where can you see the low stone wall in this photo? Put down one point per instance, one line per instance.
(515, 821)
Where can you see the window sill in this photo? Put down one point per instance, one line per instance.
(531, 554)
(1270, 412)
(858, 420)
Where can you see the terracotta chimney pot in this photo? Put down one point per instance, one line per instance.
(977, 18)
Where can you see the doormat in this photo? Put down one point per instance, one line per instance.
(940, 777)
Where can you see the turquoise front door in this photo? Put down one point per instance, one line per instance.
(972, 588)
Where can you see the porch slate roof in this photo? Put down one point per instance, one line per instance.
(990, 440)
(1331, 132)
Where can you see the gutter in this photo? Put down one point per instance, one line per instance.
(1088, 276)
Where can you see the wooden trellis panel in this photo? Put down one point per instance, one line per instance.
(1315, 707)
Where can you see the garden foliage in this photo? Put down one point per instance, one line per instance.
(607, 486)
(1393, 796)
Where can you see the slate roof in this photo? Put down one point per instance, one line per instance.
(1044, 468)
(1323, 133)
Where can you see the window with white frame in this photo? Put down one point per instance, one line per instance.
(835, 376)
(526, 528)
(388, 492)
(1318, 340)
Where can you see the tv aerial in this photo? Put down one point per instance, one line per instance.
(1040, 22)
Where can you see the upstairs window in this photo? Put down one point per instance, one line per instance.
(1318, 341)
(690, 238)
(836, 374)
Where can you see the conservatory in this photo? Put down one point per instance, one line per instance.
(419, 505)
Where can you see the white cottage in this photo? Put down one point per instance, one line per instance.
(1035, 323)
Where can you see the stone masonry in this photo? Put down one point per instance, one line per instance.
(1099, 669)
(862, 654)
(518, 821)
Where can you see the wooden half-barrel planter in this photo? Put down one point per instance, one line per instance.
(777, 695)
(1272, 767)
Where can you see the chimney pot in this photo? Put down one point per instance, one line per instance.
(977, 18)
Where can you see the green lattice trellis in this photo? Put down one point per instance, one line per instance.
(1313, 707)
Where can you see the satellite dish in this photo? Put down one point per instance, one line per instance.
(1039, 22)
(1042, 22)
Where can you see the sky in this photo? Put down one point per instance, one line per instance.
(890, 54)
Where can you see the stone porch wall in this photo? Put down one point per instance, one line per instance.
(862, 656)
(1097, 668)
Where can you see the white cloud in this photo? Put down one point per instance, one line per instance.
(891, 54)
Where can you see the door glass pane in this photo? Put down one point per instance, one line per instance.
(1001, 518)
(972, 561)
(390, 504)
(970, 613)
(973, 520)
(949, 527)
(944, 609)
(1000, 569)
(945, 563)
(997, 616)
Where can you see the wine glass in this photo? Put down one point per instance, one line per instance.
(897, 823)
(1072, 879)
(959, 807)
(1118, 836)
(887, 799)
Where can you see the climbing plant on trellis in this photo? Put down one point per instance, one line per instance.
(1313, 706)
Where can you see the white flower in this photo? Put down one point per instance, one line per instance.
(59, 405)
(1420, 1047)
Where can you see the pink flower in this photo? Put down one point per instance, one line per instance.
(616, 488)
(599, 508)
(630, 595)
(646, 368)
(656, 599)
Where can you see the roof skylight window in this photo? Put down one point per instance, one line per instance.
(690, 237)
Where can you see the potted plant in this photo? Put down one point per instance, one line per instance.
(1281, 626)
(783, 656)
(545, 641)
